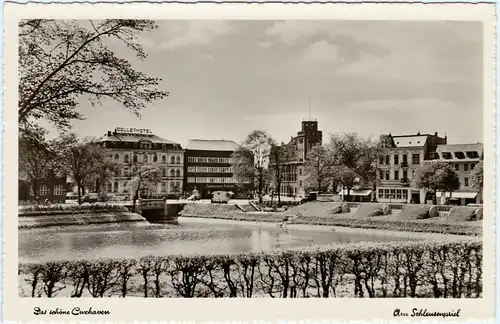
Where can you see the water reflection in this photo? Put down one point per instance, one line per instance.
(191, 236)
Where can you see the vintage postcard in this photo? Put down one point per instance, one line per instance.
(239, 162)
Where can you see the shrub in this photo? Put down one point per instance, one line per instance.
(396, 269)
(42, 210)
(463, 214)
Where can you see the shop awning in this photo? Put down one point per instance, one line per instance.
(467, 195)
(357, 192)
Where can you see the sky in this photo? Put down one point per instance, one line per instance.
(227, 78)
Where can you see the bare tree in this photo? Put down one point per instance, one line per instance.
(318, 168)
(144, 176)
(279, 157)
(251, 160)
(62, 60)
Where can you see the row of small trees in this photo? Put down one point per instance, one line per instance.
(82, 159)
(345, 162)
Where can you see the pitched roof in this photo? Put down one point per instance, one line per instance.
(410, 141)
(135, 138)
(212, 145)
(474, 147)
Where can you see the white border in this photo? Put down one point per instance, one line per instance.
(133, 309)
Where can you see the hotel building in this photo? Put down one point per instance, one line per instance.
(294, 175)
(131, 148)
(208, 168)
(464, 158)
(400, 157)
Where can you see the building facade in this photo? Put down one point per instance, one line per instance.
(52, 187)
(463, 157)
(399, 159)
(208, 168)
(131, 148)
(293, 183)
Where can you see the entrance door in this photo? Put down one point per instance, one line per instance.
(415, 198)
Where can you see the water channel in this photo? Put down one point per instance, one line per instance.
(189, 236)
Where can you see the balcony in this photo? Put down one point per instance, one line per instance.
(405, 182)
(404, 165)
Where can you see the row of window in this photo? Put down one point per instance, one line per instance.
(193, 159)
(175, 186)
(460, 155)
(415, 159)
(58, 190)
(466, 167)
(210, 169)
(148, 158)
(393, 194)
(126, 172)
(213, 180)
(386, 175)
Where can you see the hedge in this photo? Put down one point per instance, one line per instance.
(42, 210)
(450, 269)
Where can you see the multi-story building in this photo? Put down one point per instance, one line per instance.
(131, 148)
(53, 187)
(293, 183)
(464, 158)
(208, 168)
(400, 157)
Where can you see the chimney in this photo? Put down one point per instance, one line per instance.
(418, 133)
(109, 133)
(436, 134)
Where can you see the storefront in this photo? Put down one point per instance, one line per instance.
(460, 198)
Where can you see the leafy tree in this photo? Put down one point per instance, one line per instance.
(251, 160)
(61, 61)
(280, 156)
(356, 157)
(478, 176)
(82, 159)
(144, 176)
(318, 168)
(36, 157)
(437, 176)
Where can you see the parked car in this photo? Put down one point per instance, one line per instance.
(313, 195)
(91, 197)
(221, 197)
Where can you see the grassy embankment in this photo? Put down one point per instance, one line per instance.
(413, 218)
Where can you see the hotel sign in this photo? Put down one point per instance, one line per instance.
(124, 130)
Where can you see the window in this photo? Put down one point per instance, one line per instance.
(172, 173)
(135, 158)
(405, 158)
(396, 159)
(163, 173)
(163, 159)
(58, 190)
(163, 187)
(457, 167)
(415, 158)
(177, 173)
(387, 161)
(381, 175)
(155, 158)
(381, 159)
(405, 174)
(466, 181)
(172, 159)
(387, 175)
(300, 183)
(145, 158)
(117, 157)
(472, 166)
(125, 158)
(413, 173)
(191, 180)
(396, 175)
(300, 171)
(466, 167)
(177, 187)
(191, 169)
(178, 160)
(126, 172)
